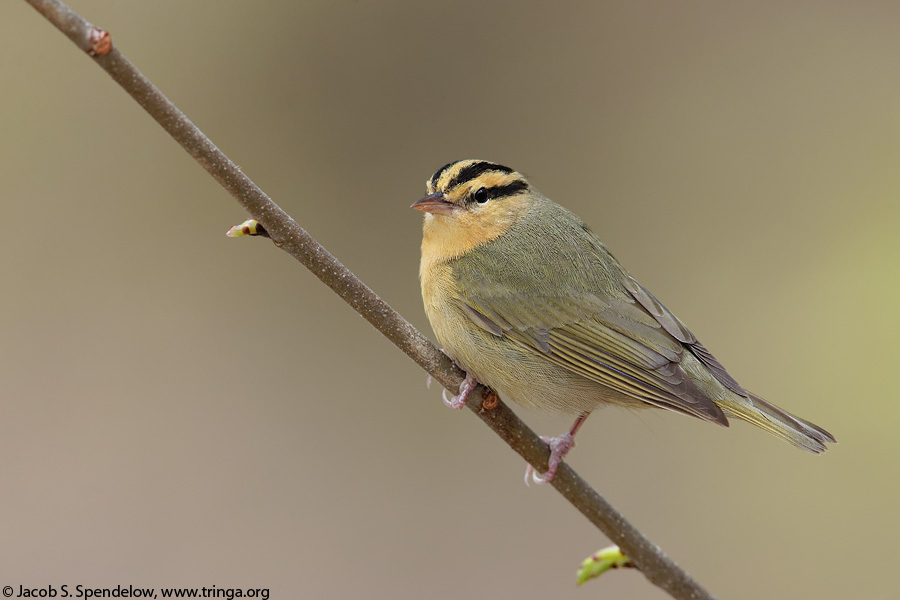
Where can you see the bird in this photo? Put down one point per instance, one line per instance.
(525, 298)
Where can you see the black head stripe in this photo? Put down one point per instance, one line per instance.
(502, 191)
(474, 170)
(439, 172)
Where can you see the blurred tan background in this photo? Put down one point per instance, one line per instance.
(184, 409)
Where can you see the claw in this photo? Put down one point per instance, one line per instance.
(559, 447)
(529, 473)
(465, 388)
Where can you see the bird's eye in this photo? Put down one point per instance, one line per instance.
(480, 196)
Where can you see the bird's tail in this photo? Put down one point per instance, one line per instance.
(794, 430)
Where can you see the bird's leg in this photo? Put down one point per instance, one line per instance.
(559, 447)
(465, 388)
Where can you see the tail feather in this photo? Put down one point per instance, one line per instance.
(794, 430)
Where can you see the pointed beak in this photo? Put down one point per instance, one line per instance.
(436, 204)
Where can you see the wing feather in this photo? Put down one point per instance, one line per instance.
(615, 346)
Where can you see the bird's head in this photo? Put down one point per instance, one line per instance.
(469, 203)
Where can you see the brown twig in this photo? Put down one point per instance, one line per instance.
(290, 237)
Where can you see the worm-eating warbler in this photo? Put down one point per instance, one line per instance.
(525, 298)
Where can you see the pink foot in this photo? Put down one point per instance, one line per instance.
(559, 447)
(465, 388)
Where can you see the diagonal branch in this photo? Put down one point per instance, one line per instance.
(291, 238)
